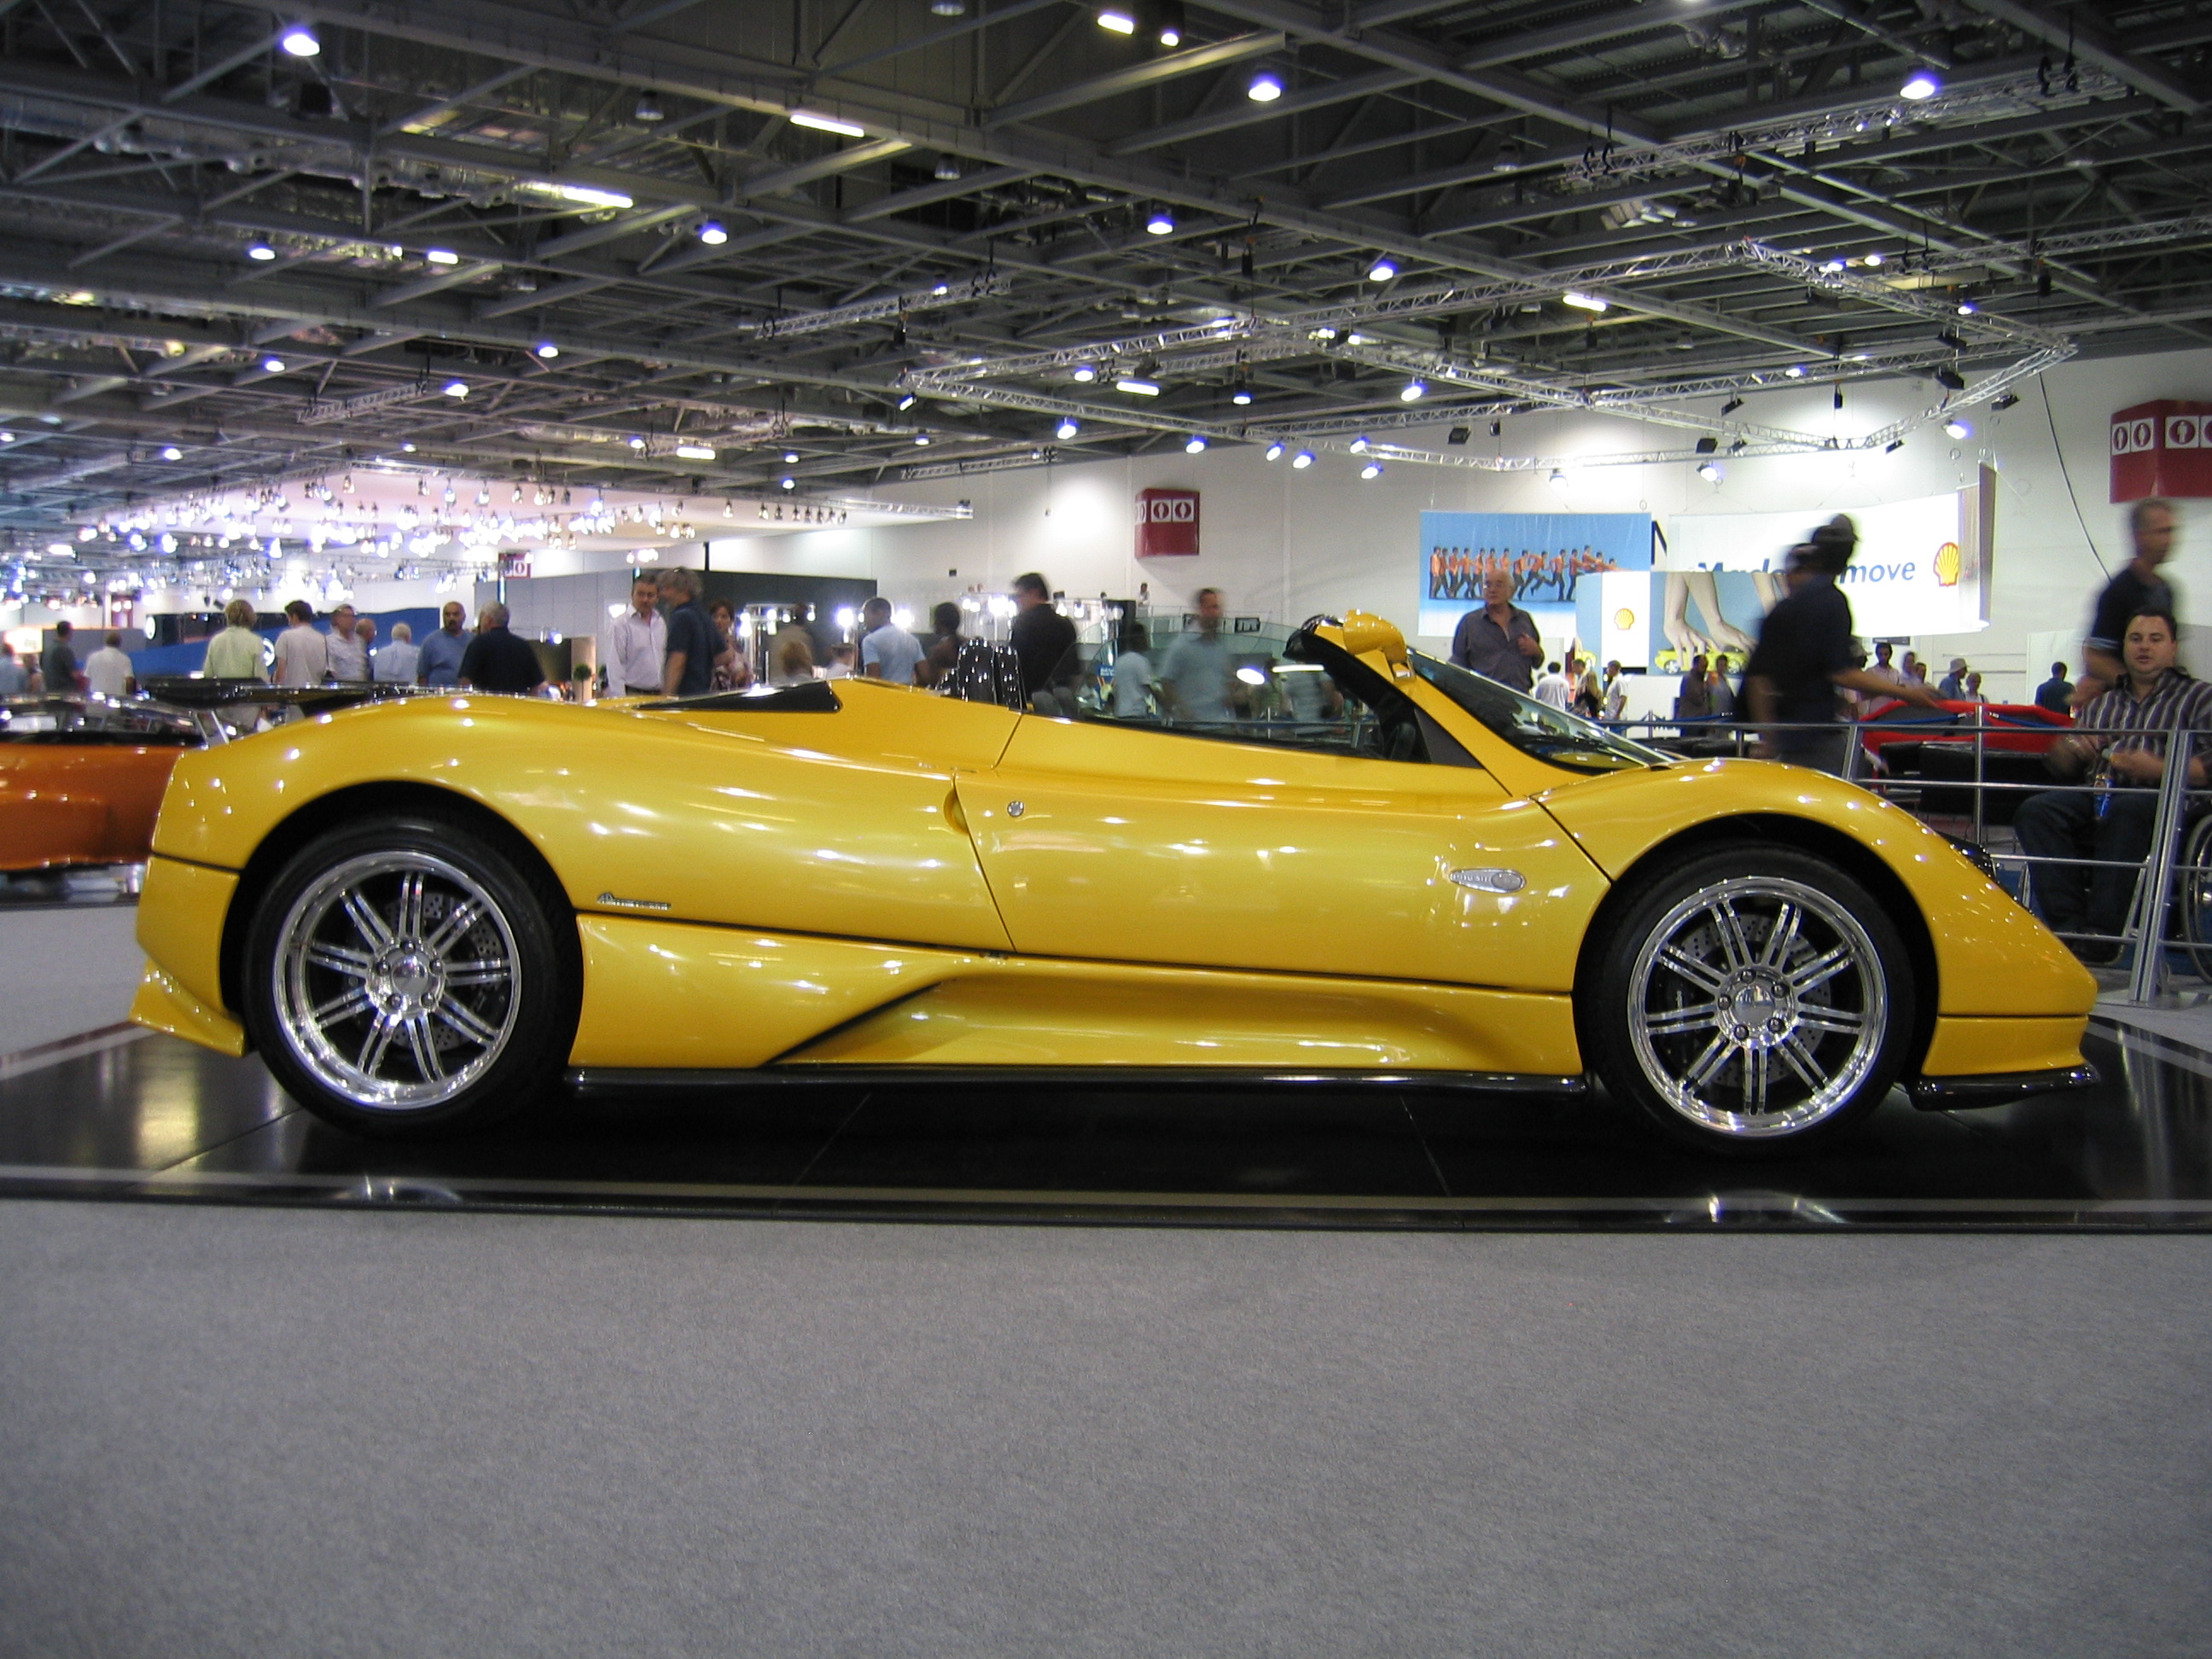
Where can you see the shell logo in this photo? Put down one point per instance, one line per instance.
(1624, 619)
(1947, 564)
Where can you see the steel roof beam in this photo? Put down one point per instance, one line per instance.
(2086, 37)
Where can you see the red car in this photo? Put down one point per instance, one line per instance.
(2017, 728)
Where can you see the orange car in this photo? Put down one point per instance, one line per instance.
(81, 779)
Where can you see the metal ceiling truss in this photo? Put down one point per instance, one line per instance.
(959, 212)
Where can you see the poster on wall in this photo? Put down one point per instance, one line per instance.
(1550, 556)
(1921, 568)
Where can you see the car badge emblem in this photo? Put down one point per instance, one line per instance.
(633, 904)
(1490, 881)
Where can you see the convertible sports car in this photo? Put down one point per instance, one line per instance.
(422, 913)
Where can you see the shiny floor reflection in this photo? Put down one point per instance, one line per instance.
(129, 1114)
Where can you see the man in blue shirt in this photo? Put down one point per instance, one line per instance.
(439, 661)
(888, 651)
(688, 671)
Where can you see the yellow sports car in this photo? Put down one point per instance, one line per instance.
(1367, 865)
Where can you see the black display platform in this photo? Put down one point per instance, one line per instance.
(124, 1114)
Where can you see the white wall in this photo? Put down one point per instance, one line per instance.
(1287, 543)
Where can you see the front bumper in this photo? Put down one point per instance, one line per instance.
(1952, 1094)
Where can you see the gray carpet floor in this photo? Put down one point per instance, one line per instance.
(65, 970)
(226, 1431)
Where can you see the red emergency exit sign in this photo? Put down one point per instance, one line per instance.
(1167, 523)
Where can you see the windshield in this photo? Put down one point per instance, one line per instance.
(1550, 734)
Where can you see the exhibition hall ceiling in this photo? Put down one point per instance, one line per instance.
(715, 248)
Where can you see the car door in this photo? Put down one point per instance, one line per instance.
(1362, 843)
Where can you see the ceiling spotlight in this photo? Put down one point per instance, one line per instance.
(1303, 459)
(1137, 388)
(1967, 308)
(1459, 435)
(1117, 20)
(695, 452)
(791, 458)
(948, 169)
(906, 401)
(1167, 16)
(259, 251)
(712, 234)
(1193, 445)
(547, 350)
(173, 453)
(1241, 395)
(455, 388)
(1585, 301)
(1162, 223)
(1920, 84)
(922, 438)
(819, 123)
(1086, 373)
(300, 41)
(1731, 405)
(1068, 427)
(1382, 269)
(272, 365)
(1832, 266)
(1707, 445)
(1358, 445)
(1950, 378)
(1893, 447)
(1266, 87)
(1274, 451)
(1710, 471)
(786, 482)
(1558, 480)
(1957, 430)
(1372, 470)
(648, 108)
(634, 442)
(1413, 390)
(442, 256)
(1873, 262)
(2004, 403)
(948, 7)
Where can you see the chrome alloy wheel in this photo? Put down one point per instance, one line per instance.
(397, 980)
(1758, 1007)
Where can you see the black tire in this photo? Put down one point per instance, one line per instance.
(2192, 896)
(1719, 1048)
(473, 992)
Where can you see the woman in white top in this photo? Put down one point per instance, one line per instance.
(1133, 674)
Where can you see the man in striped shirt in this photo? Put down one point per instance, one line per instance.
(2115, 823)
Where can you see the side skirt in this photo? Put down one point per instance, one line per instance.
(598, 1080)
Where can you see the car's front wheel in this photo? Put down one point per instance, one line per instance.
(403, 976)
(1751, 999)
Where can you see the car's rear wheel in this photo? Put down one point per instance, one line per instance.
(404, 976)
(1751, 999)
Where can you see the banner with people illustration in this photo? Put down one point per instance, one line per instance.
(1548, 554)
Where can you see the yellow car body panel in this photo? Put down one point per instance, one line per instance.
(1140, 845)
(1966, 1047)
(1992, 957)
(181, 909)
(794, 821)
(162, 1005)
(659, 994)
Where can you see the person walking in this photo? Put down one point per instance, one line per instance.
(1694, 697)
(1881, 667)
(1805, 652)
(349, 654)
(2137, 588)
(2057, 693)
(57, 664)
(1616, 692)
(14, 679)
(108, 670)
(942, 649)
(1041, 638)
(1554, 689)
(1720, 695)
(236, 652)
(303, 656)
(1133, 672)
(888, 651)
(687, 670)
(1198, 680)
(440, 660)
(399, 661)
(2114, 823)
(1952, 688)
(1499, 641)
(637, 642)
(497, 659)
